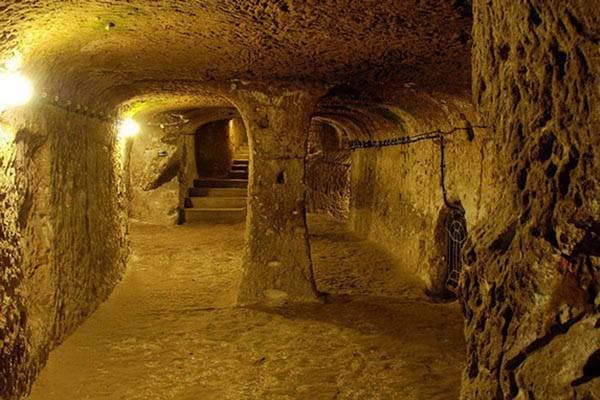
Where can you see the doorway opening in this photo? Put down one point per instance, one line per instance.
(222, 158)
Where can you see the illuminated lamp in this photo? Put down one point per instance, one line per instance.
(128, 128)
(15, 90)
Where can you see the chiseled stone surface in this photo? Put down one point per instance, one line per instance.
(65, 207)
(327, 172)
(531, 296)
(153, 176)
(15, 372)
(396, 195)
(112, 47)
(277, 252)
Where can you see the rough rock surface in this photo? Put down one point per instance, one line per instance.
(112, 47)
(328, 172)
(531, 295)
(67, 212)
(155, 157)
(396, 194)
(15, 371)
(237, 134)
(277, 253)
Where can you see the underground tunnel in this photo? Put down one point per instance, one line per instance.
(286, 199)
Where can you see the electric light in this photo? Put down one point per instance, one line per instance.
(15, 90)
(128, 128)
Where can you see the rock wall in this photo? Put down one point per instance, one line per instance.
(154, 166)
(15, 371)
(214, 150)
(165, 161)
(531, 294)
(396, 196)
(237, 134)
(63, 234)
(327, 173)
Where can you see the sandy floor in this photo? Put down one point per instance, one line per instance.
(171, 331)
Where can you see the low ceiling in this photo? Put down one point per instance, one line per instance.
(110, 50)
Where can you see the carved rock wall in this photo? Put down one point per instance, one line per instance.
(396, 196)
(214, 150)
(154, 166)
(277, 265)
(531, 296)
(65, 210)
(327, 173)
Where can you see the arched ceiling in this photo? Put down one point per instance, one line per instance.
(110, 51)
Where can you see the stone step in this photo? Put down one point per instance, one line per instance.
(238, 161)
(238, 175)
(243, 168)
(218, 192)
(221, 183)
(225, 215)
(218, 202)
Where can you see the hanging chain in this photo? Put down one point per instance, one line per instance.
(401, 140)
(433, 135)
(456, 223)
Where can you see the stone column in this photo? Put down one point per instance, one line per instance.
(277, 263)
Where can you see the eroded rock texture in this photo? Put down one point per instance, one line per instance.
(396, 193)
(213, 149)
(15, 376)
(277, 263)
(155, 157)
(352, 70)
(328, 172)
(531, 295)
(121, 48)
(63, 225)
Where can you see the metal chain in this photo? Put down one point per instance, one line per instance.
(456, 224)
(401, 140)
(433, 135)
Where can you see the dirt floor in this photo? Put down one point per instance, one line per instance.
(171, 330)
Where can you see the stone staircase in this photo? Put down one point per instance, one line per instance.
(221, 199)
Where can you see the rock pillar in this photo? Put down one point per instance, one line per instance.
(277, 263)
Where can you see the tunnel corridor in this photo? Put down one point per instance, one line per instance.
(299, 199)
(171, 329)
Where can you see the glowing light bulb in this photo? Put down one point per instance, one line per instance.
(14, 63)
(15, 90)
(128, 128)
